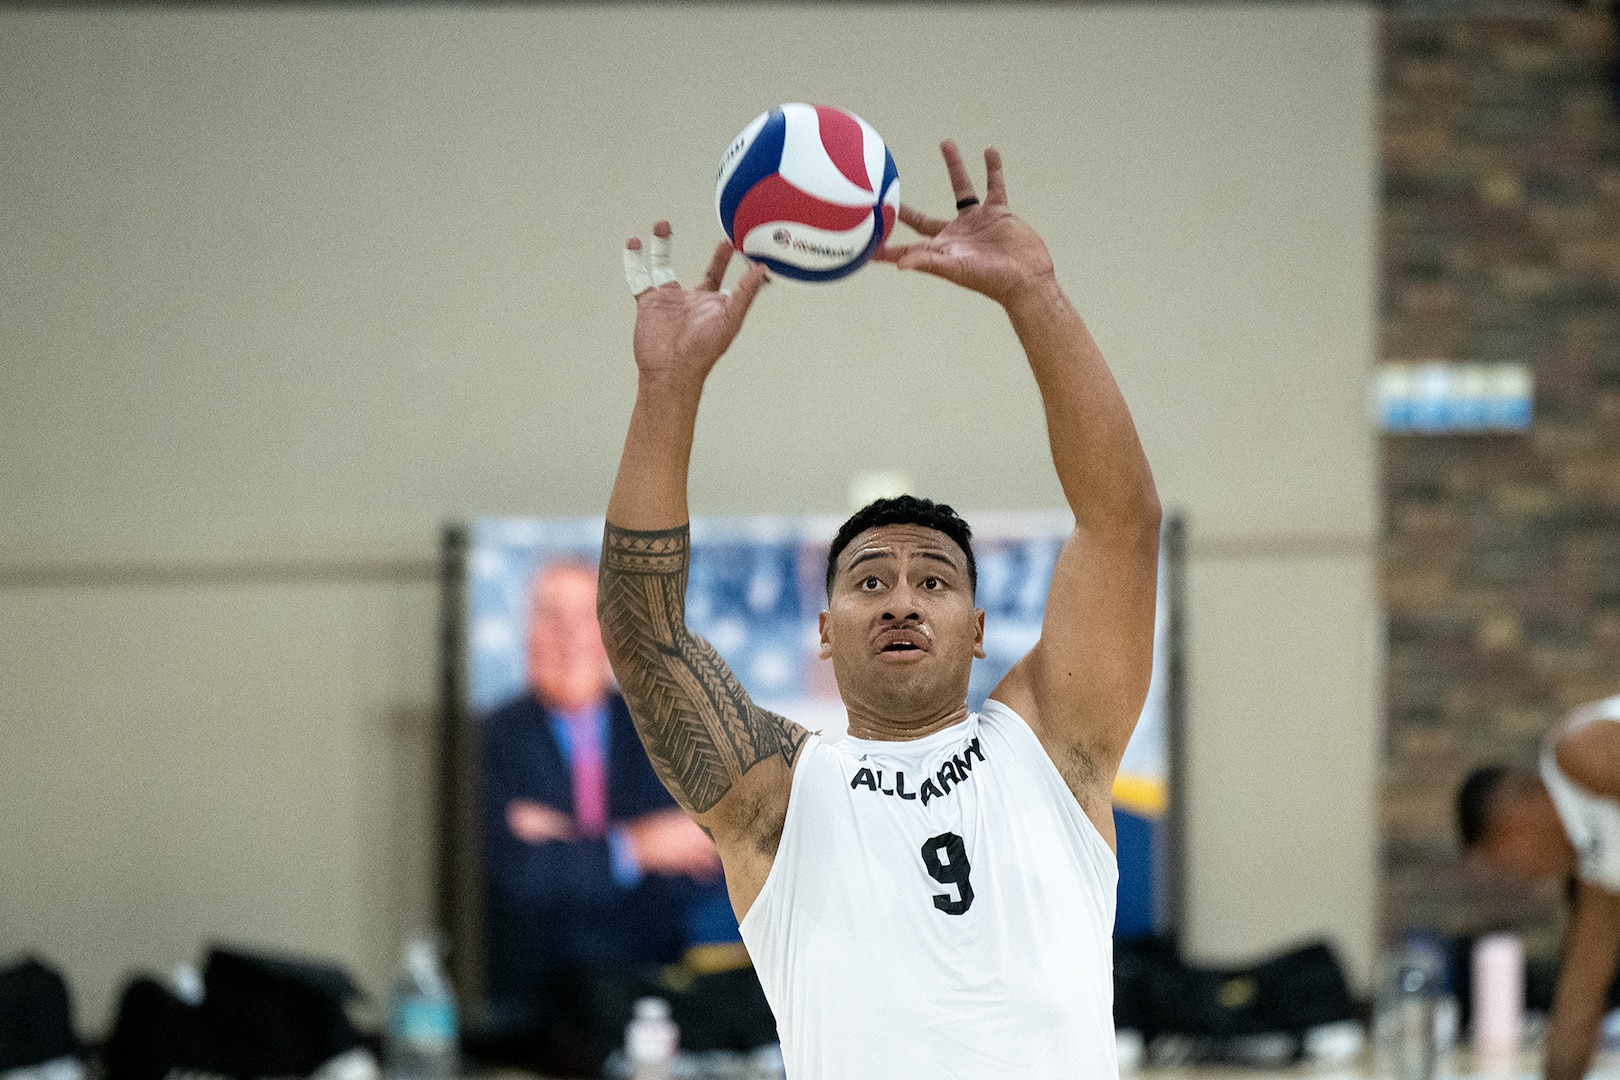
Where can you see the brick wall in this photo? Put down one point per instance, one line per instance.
(1501, 570)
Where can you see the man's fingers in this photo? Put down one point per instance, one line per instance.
(961, 184)
(659, 262)
(893, 253)
(920, 257)
(716, 273)
(921, 222)
(742, 297)
(995, 185)
(913, 257)
(635, 268)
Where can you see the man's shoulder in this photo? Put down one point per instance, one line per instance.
(1586, 754)
(1013, 727)
(996, 711)
(1582, 718)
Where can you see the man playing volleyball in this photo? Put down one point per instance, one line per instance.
(1562, 821)
(934, 894)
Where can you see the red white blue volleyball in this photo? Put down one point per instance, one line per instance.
(809, 190)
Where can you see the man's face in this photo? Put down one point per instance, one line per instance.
(900, 626)
(1526, 841)
(568, 665)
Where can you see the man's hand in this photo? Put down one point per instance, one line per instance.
(680, 332)
(536, 823)
(668, 842)
(986, 247)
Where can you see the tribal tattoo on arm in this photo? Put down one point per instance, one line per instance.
(701, 729)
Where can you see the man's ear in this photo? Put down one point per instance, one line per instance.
(978, 633)
(826, 642)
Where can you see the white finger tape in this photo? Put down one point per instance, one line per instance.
(663, 271)
(635, 272)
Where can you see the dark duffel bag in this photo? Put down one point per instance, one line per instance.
(36, 1017)
(1156, 992)
(260, 1016)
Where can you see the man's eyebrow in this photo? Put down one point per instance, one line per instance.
(867, 556)
(883, 553)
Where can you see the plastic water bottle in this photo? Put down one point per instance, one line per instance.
(651, 1040)
(421, 1040)
(1415, 994)
(766, 1063)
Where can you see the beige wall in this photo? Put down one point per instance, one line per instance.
(283, 290)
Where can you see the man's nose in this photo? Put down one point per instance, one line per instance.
(902, 606)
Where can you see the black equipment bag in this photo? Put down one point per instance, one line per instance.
(1156, 992)
(36, 1016)
(260, 1017)
(585, 1007)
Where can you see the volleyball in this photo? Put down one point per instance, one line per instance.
(809, 190)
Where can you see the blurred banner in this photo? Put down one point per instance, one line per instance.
(756, 588)
(1446, 398)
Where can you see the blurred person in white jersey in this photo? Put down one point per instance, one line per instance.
(932, 895)
(1562, 820)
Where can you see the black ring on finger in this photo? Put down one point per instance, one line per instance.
(971, 200)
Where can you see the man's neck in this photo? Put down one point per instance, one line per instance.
(869, 724)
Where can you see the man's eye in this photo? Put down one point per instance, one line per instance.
(870, 583)
(931, 583)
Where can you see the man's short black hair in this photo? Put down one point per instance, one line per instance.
(904, 510)
(1476, 802)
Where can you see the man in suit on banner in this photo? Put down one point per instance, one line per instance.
(588, 861)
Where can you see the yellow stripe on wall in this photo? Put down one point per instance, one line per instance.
(1148, 796)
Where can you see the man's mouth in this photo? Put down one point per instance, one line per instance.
(902, 641)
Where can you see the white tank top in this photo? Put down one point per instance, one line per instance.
(1592, 821)
(940, 907)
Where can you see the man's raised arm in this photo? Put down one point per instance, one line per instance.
(1081, 688)
(726, 761)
